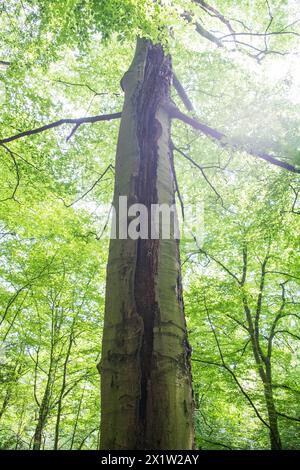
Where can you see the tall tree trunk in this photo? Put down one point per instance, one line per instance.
(146, 390)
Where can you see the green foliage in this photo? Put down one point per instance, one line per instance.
(67, 60)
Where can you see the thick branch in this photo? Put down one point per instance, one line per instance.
(78, 121)
(202, 31)
(214, 12)
(248, 398)
(261, 53)
(223, 140)
(182, 94)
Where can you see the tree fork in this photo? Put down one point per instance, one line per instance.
(146, 387)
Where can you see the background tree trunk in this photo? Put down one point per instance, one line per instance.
(146, 390)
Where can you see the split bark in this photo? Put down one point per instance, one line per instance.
(146, 390)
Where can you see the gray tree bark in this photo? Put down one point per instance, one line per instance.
(146, 387)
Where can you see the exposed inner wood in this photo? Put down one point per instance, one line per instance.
(146, 393)
(154, 90)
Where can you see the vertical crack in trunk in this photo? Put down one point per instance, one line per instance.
(153, 91)
(146, 393)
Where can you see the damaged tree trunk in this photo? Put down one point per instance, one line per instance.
(146, 389)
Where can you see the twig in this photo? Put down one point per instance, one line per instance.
(187, 157)
(90, 189)
(85, 85)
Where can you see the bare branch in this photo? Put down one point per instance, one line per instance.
(85, 85)
(248, 398)
(276, 319)
(237, 321)
(91, 188)
(72, 132)
(273, 33)
(245, 264)
(293, 335)
(261, 53)
(288, 417)
(224, 141)
(78, 121)
(17, 172)
(283, 274)
(216, 443)
(182, 93)
(200, 30)
(234, 276)
(187, 157)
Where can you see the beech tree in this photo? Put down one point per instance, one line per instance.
(145, 367)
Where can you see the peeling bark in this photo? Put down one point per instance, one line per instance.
(146, 391)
